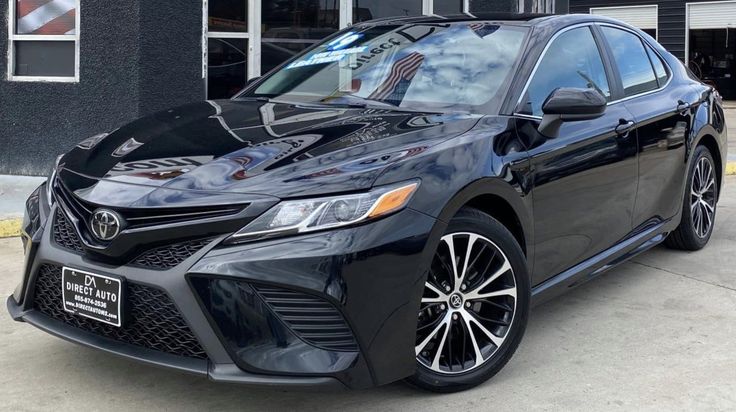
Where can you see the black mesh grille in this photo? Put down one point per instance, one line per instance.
(152, 321)
(315, 320)
(65, 235)
(167, 257)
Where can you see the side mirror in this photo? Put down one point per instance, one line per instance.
(568, 104)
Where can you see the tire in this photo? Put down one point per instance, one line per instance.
(457, 368)
(690, 235)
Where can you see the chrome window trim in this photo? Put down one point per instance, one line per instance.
(670, 73)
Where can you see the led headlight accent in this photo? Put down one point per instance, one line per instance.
(308, 215)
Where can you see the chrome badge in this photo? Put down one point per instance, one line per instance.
(105, 224)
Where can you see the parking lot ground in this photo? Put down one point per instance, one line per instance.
(657, 333)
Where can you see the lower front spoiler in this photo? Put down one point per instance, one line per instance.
(215, 372)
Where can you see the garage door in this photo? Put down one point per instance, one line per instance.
(718, 15)
(643, 17)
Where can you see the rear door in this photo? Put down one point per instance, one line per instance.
(662, 115)
(585, 179)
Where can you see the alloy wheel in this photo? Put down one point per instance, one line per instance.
(703, 197)
(468, 304)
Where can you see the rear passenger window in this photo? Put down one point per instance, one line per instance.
(632, 61)
(572, 60)
(659, 68)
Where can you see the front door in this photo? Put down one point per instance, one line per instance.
(585, 179)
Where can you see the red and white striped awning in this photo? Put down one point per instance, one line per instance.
(51, 17)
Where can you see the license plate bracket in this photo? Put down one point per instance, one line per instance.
(92, 295)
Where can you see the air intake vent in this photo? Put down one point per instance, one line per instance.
(152, 320)
(314, 320)
(65, 235)
(167, 257)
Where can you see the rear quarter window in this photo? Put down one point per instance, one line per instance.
(632, 61)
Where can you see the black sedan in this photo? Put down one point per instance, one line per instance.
(386, 205)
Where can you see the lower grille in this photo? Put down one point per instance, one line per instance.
(315, 320)
(152, 320)
(167, 257)
(65, 235)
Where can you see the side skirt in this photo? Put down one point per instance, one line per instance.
(600, 263)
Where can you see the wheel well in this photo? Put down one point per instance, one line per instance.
(501, 210)
(710, 142)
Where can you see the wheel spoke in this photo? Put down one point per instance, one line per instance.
(441, 297)
(419, 348)
(461, 279)
(441, 346)
(495, 339)
(504, 292)
(475, 293)
(708, 176)
(453, 261)
(707, 187)
(707, 220)
(473, 340)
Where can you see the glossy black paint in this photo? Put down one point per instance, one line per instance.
(597, 193)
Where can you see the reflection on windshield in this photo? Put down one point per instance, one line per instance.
(456, 66)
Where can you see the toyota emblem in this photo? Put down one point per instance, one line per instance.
(105, 224)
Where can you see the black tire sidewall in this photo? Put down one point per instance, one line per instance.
(475, 221)
(687, 228)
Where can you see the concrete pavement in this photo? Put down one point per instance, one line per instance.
(14, 191)
(658, 333)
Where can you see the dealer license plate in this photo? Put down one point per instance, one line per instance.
(93, 296)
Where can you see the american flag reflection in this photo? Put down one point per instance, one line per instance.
(50, 17)
(395, 86)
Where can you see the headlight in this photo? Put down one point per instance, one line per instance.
(309, 215)
(50, 181)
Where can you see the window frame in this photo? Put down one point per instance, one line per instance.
(13, 37)
(645, 44)
(612, 77)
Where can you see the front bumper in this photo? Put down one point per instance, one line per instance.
(371, 274)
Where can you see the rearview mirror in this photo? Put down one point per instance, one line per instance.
(567, 104)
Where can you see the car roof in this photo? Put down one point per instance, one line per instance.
(526, 19)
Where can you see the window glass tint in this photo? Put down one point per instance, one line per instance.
(45, 17)
(572, 60)
(226, 67)
(373, 9)
(632, 61)
(44, 58)
(479, 6)
(454, 66)
(659, 68)
(447, 7)
(290, 26)
(227, 15)
(299, 20)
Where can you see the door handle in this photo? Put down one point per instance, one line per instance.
(682, 106)
(624, 127)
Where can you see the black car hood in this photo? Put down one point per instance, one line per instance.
(249, 147)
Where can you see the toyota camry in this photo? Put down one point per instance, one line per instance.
(387, 205)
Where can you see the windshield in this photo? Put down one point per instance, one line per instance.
(438, 66)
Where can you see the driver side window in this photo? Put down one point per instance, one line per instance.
(572, 60)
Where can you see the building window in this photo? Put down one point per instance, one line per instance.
(227, 47)
(447, 7)
(288, 27)
(44, 40)
(374, 9)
